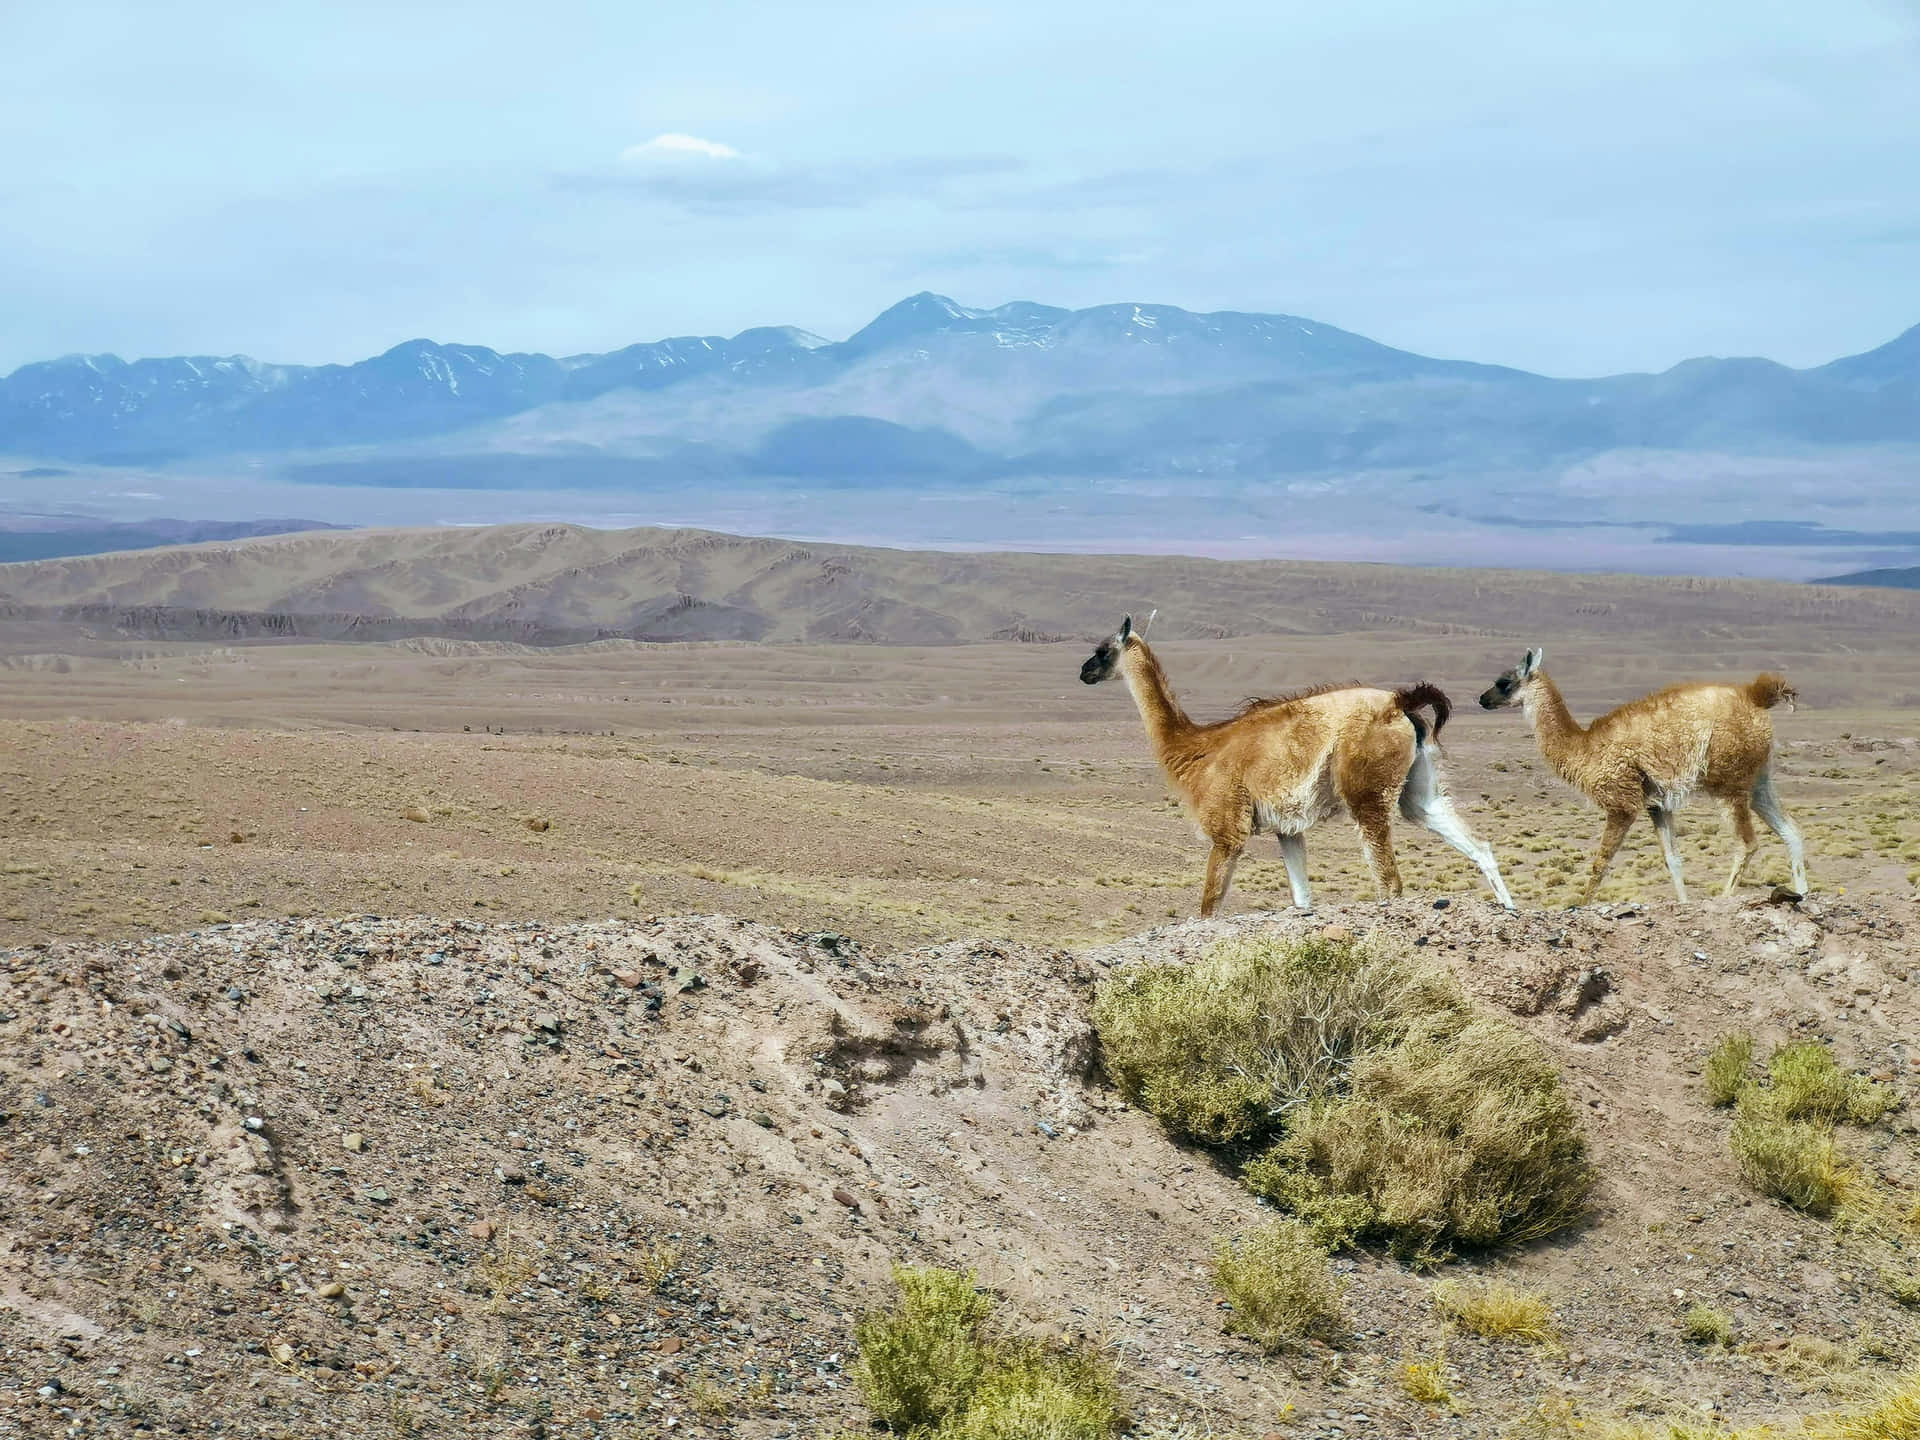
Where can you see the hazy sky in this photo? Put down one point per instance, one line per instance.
(1571, 187)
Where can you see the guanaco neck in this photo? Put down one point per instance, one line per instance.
(1562, 738)
(1166, 722)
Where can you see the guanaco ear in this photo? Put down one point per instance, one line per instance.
(1126, 629)
(1532, 662)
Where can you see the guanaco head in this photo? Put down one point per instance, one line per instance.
(1106, 659)
(1506, 690)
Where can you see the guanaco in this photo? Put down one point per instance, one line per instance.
(1283, 764)
(1651, 753)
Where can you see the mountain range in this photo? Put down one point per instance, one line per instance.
(935, 393)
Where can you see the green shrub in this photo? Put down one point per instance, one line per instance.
(1808, 1085)
(919, 1363)
(1278, 1282)
(933, 1367)
(1221, 1050)
(1704, 1325)
(1727, 1065)
(1031, 1393)
(1792, 1160)
(1401, 1113)
(1460, 1135)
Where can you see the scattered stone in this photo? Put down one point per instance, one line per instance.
(415, 814)
(332, 1290)
(160, 1064)
(539, 823)
(547, 1021)
(481, 1230)
(354, 1142)
(846, 1198)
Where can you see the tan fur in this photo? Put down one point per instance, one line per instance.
(1652, 753)
(1279, 765)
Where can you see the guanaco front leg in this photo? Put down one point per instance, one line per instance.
(1220, 863)
(1618, 823)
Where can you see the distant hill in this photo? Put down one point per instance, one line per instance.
(564, 584)
(1899, 579)
(49, 537)
(932, 390)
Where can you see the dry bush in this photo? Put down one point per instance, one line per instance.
(1905, 1289)
(1727, 1065)
(1279, 1285)
(932, 1367)
(1459, 1135)
(1223, 1049)
(1404, 1115)
(1495, 1310)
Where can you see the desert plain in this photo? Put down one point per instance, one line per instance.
(531, 938)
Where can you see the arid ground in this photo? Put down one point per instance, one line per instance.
(199, 836)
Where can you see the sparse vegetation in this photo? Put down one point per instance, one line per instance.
(1402, 1114)
(1425, 1381)
(1704, 1325)
(1495, 1310)
(933, 1366)
(657, 1265)
(1903, 1288)
(1727, 1066)
(1277, 1280)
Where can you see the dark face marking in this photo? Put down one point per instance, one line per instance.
(1101, 664)
(1505, 691)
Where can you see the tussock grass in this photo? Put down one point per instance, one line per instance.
(1783, 1130)
(1495, 1310)
(934, 1366)
(1727, 1066)
(1278, 1282)
(1794, 1161)
(1398, 1112)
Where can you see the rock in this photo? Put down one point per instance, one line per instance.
(845, 1198)
(160, 1064)
(539, 823)
(718, 1106)
(762, 1119)
(254, 1122)
(672, 1345)
(481, 1230)
(1336, 934)
(547, 1021)
(415, 814)
(332, 1290)
(685, 978)
(353, 1142)
(629, 978)
(833, 1090)
(1442, 903)
(379, 1196)
(236, 994)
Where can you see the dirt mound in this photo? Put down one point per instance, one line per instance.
(393, 1176)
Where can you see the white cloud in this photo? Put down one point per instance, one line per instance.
(673, 143)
